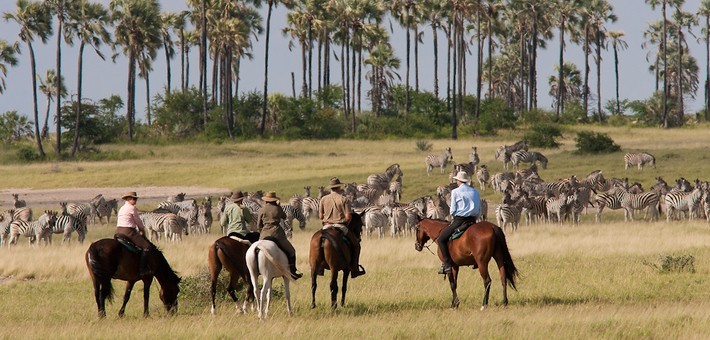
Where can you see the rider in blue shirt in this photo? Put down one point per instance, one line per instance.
(465, 207)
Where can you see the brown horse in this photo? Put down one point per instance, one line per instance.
(475, 247)
(231, 254)
(329, 251)
(107, 259)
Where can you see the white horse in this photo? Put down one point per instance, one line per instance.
(264, 257)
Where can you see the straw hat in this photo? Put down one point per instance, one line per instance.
(335, 183)
(237, 196)
(270, 197)
(130, 194)
(462, 176)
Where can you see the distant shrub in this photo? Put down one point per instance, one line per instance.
(591, 142)
(674, 264)
(27, 154)
(544, 135)
(495, 114)
(423, 145)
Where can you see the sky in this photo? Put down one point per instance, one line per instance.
(105, 78)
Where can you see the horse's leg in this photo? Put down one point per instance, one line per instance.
(126, 297)
(215, 268)
(100, 299)
(249, 294)
(231, 288)
(346, 276)
(504, 282)
(287, 292)
(453, 279)
(334, 289)
(146, 296)
(483, 270)
(314, 285)
(266, 297)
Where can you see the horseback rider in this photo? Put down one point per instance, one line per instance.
(236, 218)
(465, 208)
(334, 210)
(268, 221)
(129, 224)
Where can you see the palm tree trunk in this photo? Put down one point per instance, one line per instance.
(449, 47)
(304, 87)
(342, 77)
(310, 59)
(490, 58)
(707, 67)
(147, 96)
(533, 67)
(33, 65)
(45, 127)
(131, 100)
(665, 69)
(215, 75)
(203, 60)
(359, 75)
(266, 70)
(80, 71)
(407, 97)
(586, 71)
(167, 66)
(416, 58)
(479, 65)
(560, 88)
(599, 76)
(616, 75)
(681, 110)
(183, 81)
(320, 64)
(58, 148)
(434, 35)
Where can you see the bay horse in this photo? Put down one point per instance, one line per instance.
(107, 259)
(329, 251)
(266, 258)
(230, 254)
(478, 244)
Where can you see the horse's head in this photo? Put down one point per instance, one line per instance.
(169, 296)
(422, 236)
(355, 224)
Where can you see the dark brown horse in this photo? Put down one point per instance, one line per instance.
(329, 251)
(231, 254)
(475, 247)
(107, 259)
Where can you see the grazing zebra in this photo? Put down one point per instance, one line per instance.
(31, 229)
(17, 202)
(375, 219)
(441, 161)
(677, 202)
(507, 151)
(639, 159)
(382, 181)
(522, 156)
(483, 176)
(292, 213)
(631, 202)
(474, 159)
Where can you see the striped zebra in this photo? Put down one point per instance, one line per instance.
(44, 226)
(436, 208)
(537, 211)
(309, 207)
(556, 207)
(204, 217)
(483, 176)
(6, 219)
(167, 207)
(190, 214)
(501, 181)
(706, 206)
(157, 224)
(375, 219)
(80, 211)
(468, 168)
(639, 160)
(106, 209)
(474, 159)
(631, 202)
(67, 224)
(292, 213)
(396, 189)
(522, 156)
(507, 152)
(17, 202)
(527, 173)
(484, 210)
(23, 213)
(397, 219)
(382, 181)
(440, 161)
(30, 229)
(677, 202)
(509, 214)
(610, 199)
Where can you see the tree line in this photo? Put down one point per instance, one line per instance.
(502, 37)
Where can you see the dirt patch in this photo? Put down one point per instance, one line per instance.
(47, 197)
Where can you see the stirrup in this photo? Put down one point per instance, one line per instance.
(445, 269)
(360, 271)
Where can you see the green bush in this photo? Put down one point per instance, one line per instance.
(595, 143)
(674, 264)
(423, 145)
(495, 114)
(544, 135)
(27, 153)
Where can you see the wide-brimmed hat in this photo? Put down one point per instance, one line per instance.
(237, 196)
(270, 197)
(130, 194)
(335, 183)
(462, 176)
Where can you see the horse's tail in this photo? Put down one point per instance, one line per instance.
(99, 274)
(284, 270)
(510, 271)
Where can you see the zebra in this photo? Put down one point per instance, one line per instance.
(375, 219)
(441, 161)
(30, 229)
(639, 159)
(474, 159)
(507, 151)
(468, 168)
(17, 202)
(682, 201)
(397, 219)
(522, 156)
(168, 206)
(537, 209)
(160, 223)
(483, 176)
(190, 214)
(43, 231)
(396, 189)
(106, 209)
(6, 219)
(292, 213)
(23, 213)
(382, 181)
(436, 208)
(67, 224)
(80, 211)
(610, 199)
(501, 180)
(510, 213)
(631, 202)
(204, 217)
(556, 207)
(484, 210)
(309, 207)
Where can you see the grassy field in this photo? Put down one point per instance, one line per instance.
(586, 281)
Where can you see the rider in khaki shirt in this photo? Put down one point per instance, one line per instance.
(334, 210)
(269, 224)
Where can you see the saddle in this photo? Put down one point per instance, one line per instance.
(327, 236)
(460, 230)
(127, 243)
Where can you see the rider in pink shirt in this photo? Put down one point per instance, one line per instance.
(129, 224)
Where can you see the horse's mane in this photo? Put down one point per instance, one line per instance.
(164, 267)
(355, 224)
(436, 219)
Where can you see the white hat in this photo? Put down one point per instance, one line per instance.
(462, 176)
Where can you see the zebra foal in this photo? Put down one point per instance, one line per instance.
(639, 160)
(440, 161)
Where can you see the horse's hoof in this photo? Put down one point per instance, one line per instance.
(213, 311)
(483, 308)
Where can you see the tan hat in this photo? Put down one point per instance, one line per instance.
(237, 196)
(462, 176)
(130, 194)
(335, 183)
(270, 197)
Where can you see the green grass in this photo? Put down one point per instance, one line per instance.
(586, 281)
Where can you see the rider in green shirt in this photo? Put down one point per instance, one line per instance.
(236, 219)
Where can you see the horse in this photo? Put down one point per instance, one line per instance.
(107, 259)
(231, 254)
(475, 247)
(266, 258)
(329, 251)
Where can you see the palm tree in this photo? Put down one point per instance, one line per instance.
(601, 13)
(570, 84)
(298, 23)
(688, 21)
(617, 44)
(704, 11)
(88, 23)
(383, 71)
(663, 4)
(435, 11)
(35, 21)
(61, 8)
(405, 11)
(137, 30)
(169, 21)
(567, 21)
(48, 86)
(8, 57)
